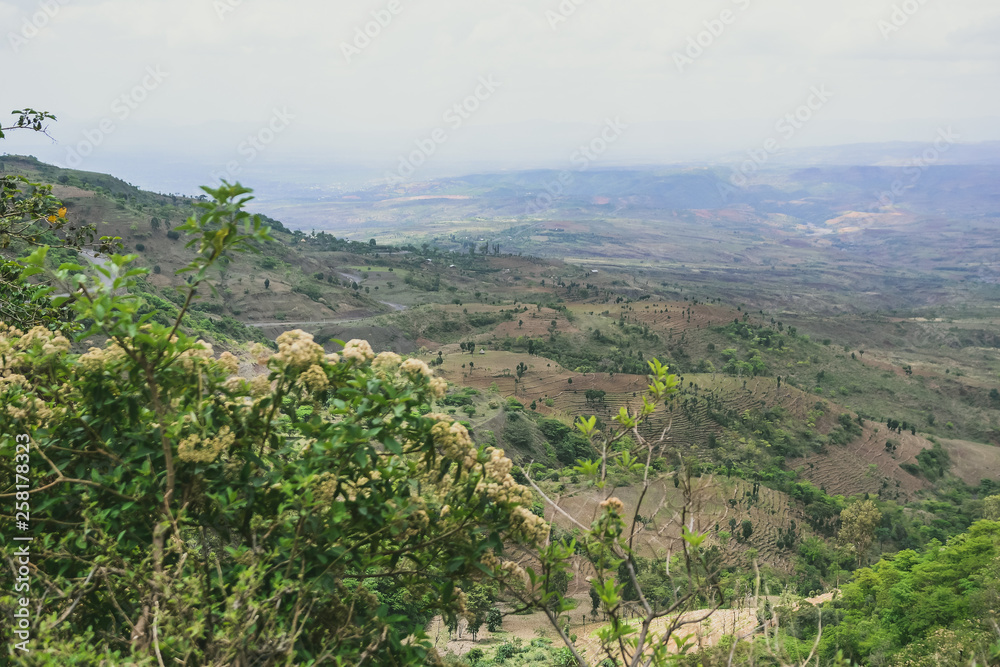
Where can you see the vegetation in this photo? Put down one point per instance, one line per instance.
(229, 522)
(309, 501)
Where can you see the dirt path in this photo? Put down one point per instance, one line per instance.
(263, 325)
(102, 262)
(705, 631)
(395, 306)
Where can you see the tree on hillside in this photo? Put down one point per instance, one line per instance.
(858, 522)
(494, 620)
(991, 508)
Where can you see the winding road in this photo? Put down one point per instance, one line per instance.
(263, 325)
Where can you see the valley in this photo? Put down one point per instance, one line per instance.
(811, 375)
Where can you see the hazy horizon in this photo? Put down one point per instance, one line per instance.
(170, 96)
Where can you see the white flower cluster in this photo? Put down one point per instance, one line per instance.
(386, 362)
(197, 449)
(297, 349)
(438, 387)
(29, 409)
(498, 484)
(191, 359)
(8, 336)
(530, 527)
(260, 353)
(461, 601)
(416, 368)
(229, 362)
(9, 378)
(234, 384)
(96, 359)
(453, 441)
(49, 341)
(13, 340)
(614, 505)
(325, 487)
(314, 378)
(358, 351)
(514, 571)
(386, 365)
(260, 386)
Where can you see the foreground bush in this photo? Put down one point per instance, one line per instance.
(181, 514)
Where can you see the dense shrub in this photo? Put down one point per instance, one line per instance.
(191, 516)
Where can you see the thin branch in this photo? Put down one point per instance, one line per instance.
(65, 614)
(156, 638)
(551, 502)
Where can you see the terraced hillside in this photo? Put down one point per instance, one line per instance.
(719, 501)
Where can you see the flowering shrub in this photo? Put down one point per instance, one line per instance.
(317, 514)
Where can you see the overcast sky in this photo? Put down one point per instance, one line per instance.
(191, 80)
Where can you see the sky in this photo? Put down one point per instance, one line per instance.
(179, 92)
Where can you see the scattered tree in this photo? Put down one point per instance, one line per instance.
(858, 522)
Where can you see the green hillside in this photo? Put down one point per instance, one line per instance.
(782, 424)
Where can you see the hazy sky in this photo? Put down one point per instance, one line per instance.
(194, 79)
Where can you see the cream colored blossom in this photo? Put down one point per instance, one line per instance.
(461, 601)
(229, 362)
(234, 384)
(114, 353)
(415, 367)
(192, 358)
(333, 358)
(97, 359)
(387, 360)
(196, 449)
(297, 349)
(38, 334)
(58, 344)
(325, 487)
(454, 442)
(260, 353)
(29, 409)
(438, 387)
(7, 379)
(358, 350)
(260, 386)
(92, 360)
(614, 505)
(514, 570)
(498, 484)
(530, 527)
(50, 342)
(489, 560)
(10, 331)
(314, 378)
